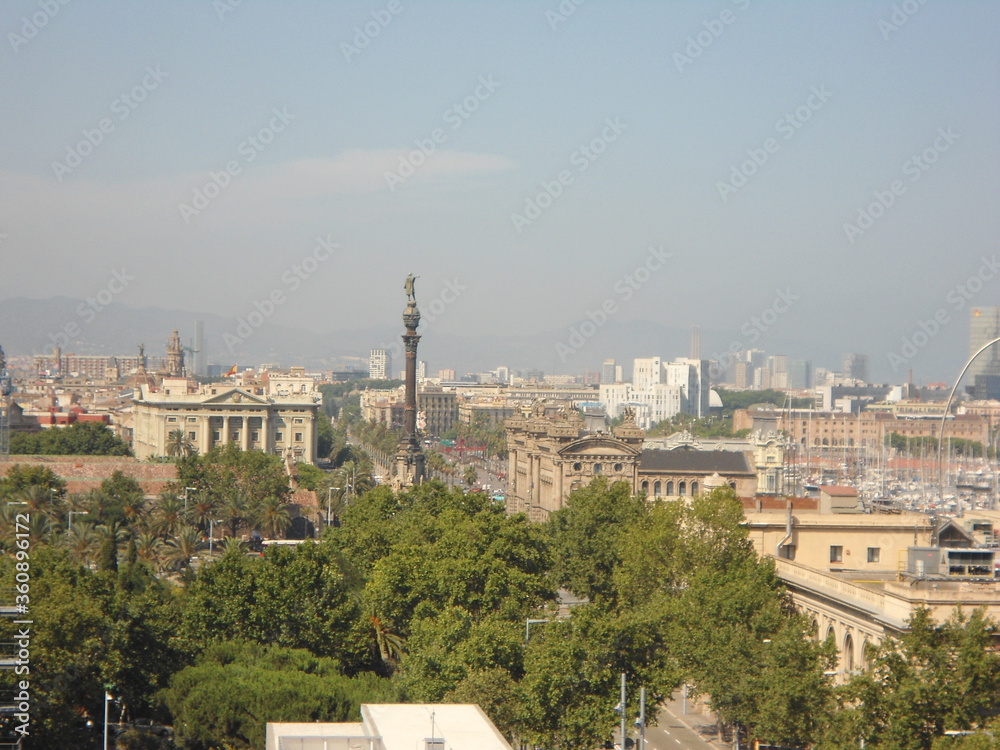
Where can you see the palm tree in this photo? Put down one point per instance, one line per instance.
(103, 531)
(24, 516)
(38, 499)
(181, 548)
(81, 540)
(355, 474)
(273, 517)
(233, 511)
(389, 644)
(109, 538)
(95, 502)
(179, 445)
(203, 510)
(232, 546)
(134, 510)
(168, 517)
(149, 547)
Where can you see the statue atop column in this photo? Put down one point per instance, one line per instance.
(410, 467)
(411, 297)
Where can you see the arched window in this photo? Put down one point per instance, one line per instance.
(598, 468)
(733, 485)
(848, 656)
(645, 489)
(618, 467)
(825, 442)
(694, 488)
(656, 489)
(670, 489)
(682, 489)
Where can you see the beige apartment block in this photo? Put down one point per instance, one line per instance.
(839, 541)
(437, 408)
(276, 422)
(860, 577)
(491, 411)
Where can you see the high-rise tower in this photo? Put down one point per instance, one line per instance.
(984, 326)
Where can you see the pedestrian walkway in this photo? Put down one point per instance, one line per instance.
(693, 716)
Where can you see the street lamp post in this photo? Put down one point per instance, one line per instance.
(621, 705)
(107, 699)
(641, 721)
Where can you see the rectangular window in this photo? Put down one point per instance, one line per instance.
(192, 436)
(255, 436)
(192, 419)
(216, 435)
(171, 419)
(874, 553)
(836, 554)
(278, 437)
(297, 420)
(298, 437)
(788, 552)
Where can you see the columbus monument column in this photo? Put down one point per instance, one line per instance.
(410, 469)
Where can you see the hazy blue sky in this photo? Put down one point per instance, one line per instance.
(674, 95)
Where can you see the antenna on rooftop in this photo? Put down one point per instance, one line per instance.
(433, 742)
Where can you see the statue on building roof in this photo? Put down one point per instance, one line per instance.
(538, 407)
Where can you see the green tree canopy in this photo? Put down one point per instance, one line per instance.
(78, 439)
(586, 536)
(226, 469)
(297, 597)
(20, 477)
(234, 689)
(933, 678)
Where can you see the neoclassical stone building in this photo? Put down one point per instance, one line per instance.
(253, 416)
(550, 455)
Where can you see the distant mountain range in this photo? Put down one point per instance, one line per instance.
(33, 326)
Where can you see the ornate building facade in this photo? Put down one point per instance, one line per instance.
(551, 453)
(549, 457)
